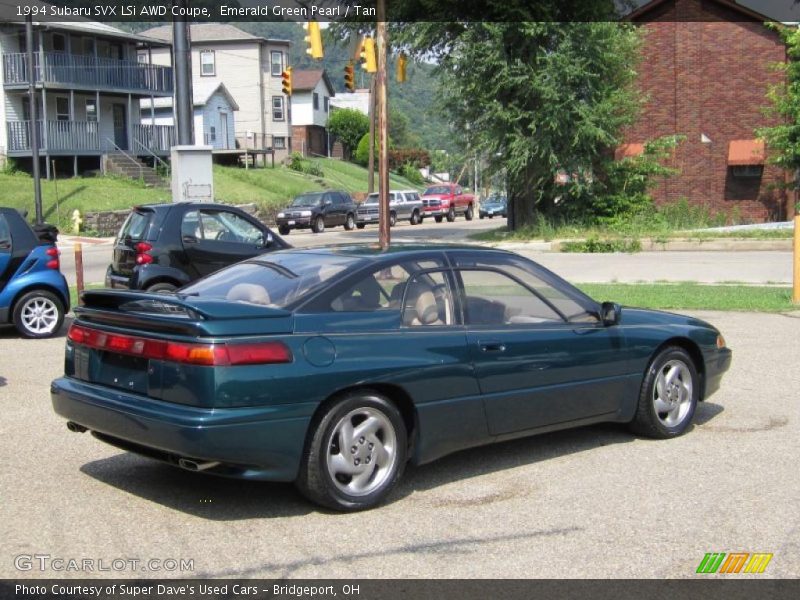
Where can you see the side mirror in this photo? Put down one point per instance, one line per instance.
(328, 202)
(610, 313)
(267, 240)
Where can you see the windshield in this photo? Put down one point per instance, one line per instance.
(373, 198)
(276, 281)
(437, 189)
(307, 200)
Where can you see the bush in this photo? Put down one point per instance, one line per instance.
(593, 244)
(348, 126)
(298, 162)
(411, 172)
(417, 157)
(361, 156)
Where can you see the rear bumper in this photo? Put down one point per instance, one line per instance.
(250, 442)
(117, 282)
(367, 218)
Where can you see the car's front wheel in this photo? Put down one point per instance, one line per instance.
(284, 229)
(669, 395)
(38, 314)
(438, 218)
(318, 226)
(361, 225)
(451, 215)
(356, 454)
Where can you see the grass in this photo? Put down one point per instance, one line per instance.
(694, 296)
(235, 185)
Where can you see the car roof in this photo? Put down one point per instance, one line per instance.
(374, 251)
(168, 205)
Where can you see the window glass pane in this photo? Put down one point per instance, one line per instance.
(277, 108)
(91, 110)
(207, 66)
(5, 235)
(495, 299)
(316, 101)
(62, 108)
(135, 225)
(326, 103)
(277, 63)
(428, 301)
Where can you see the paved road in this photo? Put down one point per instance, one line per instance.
(704, 267)
(595, 502)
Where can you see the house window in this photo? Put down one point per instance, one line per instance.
(91, 110)
(276, 59)
(62, 108)
(88, 46)
(207, 64)
(326, 103)
(212, 133)
(277, 108)
(279, 143)
(316, 101)
(141, 58)
(59, 43)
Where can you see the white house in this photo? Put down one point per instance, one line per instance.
(249, 66)
(358, 100)
(311, 101)
(214, 123)
(88, 86)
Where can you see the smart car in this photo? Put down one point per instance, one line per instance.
(34, 295)
(334, 367)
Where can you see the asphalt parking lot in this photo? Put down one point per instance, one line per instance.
(593, 502)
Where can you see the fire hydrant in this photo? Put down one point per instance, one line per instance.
(77, 221)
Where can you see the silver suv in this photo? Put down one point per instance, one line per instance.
(403, 204)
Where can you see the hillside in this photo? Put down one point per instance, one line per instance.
(270, 188)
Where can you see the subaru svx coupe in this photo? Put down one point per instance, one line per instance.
(334, 367)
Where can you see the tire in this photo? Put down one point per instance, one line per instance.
(319, 225)
(470, 213)
(481, 217)
(284, 229)
(332, 482)
(665, 412)
(438, 218)
(491, 216)
(349, 223)
(451, 214)
(415, 220)
(38, 314)
(162, 288)
(361, 225)
(392, 219)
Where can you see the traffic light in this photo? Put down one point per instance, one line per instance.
(401, 68)
(286, 81)
(350, 77)
(370, 61)
(314, 39)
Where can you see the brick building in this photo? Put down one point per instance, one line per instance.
(706, 69)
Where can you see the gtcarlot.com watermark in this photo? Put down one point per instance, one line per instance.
(61, 564)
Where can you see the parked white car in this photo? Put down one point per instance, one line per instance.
(403, 204)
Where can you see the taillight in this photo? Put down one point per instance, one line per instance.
(142, 256)
(53, 253)
(254, 353)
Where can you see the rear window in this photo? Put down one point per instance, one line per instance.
(5, 234)
(277, 281)
(135, 225)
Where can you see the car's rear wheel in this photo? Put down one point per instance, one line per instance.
(438, 218)
(415, 220)
(356, 454)
(669, 395)
(284, 229)
(318, 225)
(38, 314)
(162, 288)
(470, 213)
(481, 216)
(361, 225)
(350, 223)
(392, 219)
(451, 215)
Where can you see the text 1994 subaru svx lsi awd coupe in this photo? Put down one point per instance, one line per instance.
(334, 367)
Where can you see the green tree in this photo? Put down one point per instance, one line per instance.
(348, 126)
(537, 99)
(783, 139)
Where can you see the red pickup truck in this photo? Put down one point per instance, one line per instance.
(447, 200)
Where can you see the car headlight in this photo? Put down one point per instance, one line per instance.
(281, 215)
(720, 342)
(305, 213)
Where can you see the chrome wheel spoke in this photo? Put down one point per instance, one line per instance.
(360, 481)
(661, 406)
(367, 428)
(338, 464)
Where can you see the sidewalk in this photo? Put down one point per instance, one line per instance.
(69, 241)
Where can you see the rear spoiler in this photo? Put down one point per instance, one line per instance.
(169, 313)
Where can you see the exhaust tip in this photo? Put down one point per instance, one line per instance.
(75, 428)
(194, 465)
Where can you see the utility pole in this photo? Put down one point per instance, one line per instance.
(371, 164)
(383, 130)
(34, 126)
(184, 117)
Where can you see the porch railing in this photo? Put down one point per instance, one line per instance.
(155, 138)
(91, 72)
(78, 136)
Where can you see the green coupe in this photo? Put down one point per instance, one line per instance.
(334, 367)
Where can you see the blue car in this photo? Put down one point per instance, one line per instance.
(34, 295)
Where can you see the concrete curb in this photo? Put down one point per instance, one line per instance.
(672, 245)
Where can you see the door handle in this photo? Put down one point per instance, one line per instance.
(492, 346)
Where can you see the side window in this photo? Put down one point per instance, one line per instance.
(5, 235)
(492, 298)
(428, 301)
(190, 226)
(223, 226)
(380, 290)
